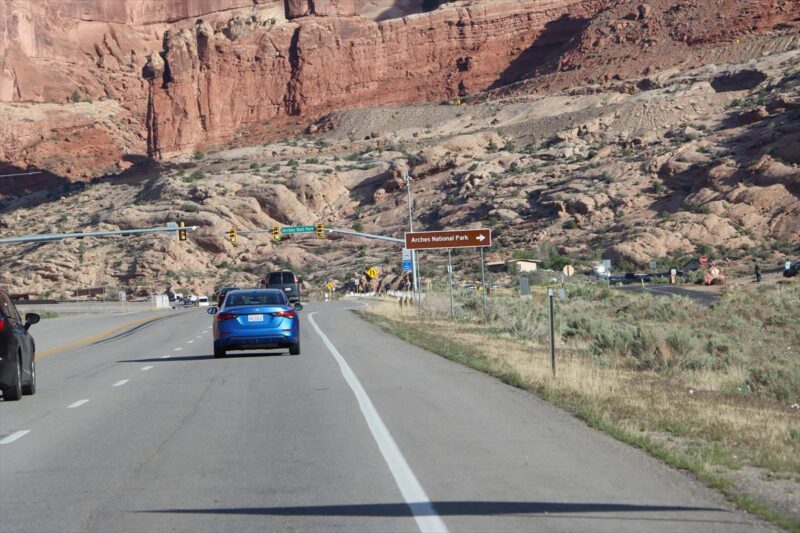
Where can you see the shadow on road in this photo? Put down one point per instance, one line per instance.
(166, 360)
(448, 508)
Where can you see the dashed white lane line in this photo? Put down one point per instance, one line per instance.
(14, 436)
(178, 349)
(165, 356)
(190, 341)
(77, 404)
(146, 368)
(417, 500)
(120, 383)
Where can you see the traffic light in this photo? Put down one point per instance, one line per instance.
(232, 234)
(276, 233)
(181, 230)
(320, 230)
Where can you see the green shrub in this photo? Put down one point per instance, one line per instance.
(682, 343)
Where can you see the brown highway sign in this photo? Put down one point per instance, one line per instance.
(462, 238)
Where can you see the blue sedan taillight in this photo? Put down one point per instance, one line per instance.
(284, 314)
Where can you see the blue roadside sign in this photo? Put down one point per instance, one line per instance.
(407, 266)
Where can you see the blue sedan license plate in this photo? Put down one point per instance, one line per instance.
(255, 318)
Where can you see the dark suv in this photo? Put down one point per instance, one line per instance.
(223, 292)
(286, 281)
(17, 351)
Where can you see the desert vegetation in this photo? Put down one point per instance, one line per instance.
(713, 390)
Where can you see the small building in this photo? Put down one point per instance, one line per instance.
(496, 266)
(524, 265)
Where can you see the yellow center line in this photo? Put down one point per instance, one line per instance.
(99, 336)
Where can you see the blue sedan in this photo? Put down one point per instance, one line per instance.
(255, 320)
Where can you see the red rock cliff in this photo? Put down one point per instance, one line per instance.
(212, 84)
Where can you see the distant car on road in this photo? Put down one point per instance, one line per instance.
(286, 281)
(256, 319)
(223, 292)
(630, 277)
(202, 301)
(17, 351)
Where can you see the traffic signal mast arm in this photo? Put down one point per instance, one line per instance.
(49, 237)
(331, 230)
(365, 235)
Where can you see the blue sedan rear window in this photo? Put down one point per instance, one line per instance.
(256, 298)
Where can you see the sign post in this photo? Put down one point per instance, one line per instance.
(552, 332)
(483, 286)
(463, 238)
(450, 280)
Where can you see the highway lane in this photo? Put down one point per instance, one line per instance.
(266, 442)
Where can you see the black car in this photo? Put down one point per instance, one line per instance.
(224, 292)
(17, 351)
(286, 281)
(792, 271)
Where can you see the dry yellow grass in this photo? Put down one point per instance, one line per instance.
(692, 405)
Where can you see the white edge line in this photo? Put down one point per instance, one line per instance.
(77, 404)
(424, 514)
(14, 436)
(120, 383)
(146, 368)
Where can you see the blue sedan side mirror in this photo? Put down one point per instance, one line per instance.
(212, 310)
(298, 307)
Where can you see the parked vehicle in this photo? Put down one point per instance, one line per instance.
(223, 292)
(17, 351)
(792, 271)
(286, 281)
(256, 319)
(202, 301)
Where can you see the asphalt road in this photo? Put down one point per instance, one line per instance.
(702, 297)
(145, 432)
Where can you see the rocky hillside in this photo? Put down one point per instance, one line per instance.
(700, 161)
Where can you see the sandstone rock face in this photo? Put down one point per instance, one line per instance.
(321, 8)
(313, 65)
(59, 56)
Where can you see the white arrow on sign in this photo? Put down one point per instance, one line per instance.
(480, 238)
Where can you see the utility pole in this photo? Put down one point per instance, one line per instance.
(414, 265)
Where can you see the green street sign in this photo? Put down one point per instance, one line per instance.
(288, 230)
